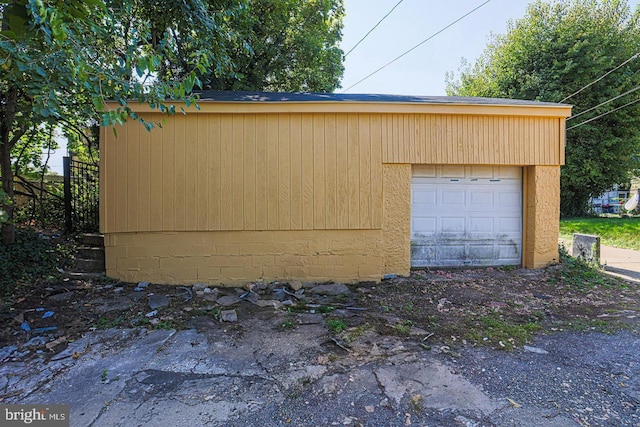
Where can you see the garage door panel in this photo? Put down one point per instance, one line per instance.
(452, 225)
(449, 253)
(425, 195)
(482, 225)
(475, 217)
(427, 226)
(452, 171)
(480, 253)
(509, 225)
(481, 198)
(452, 197)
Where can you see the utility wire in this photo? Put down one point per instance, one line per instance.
(416, 46)
(605, 102)
(602, 77)
(604, 114)
(374, 27)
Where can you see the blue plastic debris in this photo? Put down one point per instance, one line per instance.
(152, 313)
(45, 329)
(48, 314)
(40, 309)
(25, 326)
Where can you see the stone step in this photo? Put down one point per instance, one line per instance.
(88, 266)
(86, 252)
(91, 240)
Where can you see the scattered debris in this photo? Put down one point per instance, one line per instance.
(333, 289)
(535, 350)
(228, 316)
(158, 301)
(513, 403)
(228, 300)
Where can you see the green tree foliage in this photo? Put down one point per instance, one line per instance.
(556, 49)
(284, 45)
(64, 59)
(61, 60)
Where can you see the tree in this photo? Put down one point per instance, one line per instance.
(555, 50)
(64, 59)
(283, 45)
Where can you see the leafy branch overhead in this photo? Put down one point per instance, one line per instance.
(61, 61)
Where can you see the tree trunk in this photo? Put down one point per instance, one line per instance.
(7, 141)
(8, 229)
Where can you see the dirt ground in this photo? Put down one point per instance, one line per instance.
(495, 307)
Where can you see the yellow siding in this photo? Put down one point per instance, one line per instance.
(244, 172)
(468, 139)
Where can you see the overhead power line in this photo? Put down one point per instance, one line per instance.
(605, 102)
(603, 76)
(604, 114)
(374, 27)
(417, 46)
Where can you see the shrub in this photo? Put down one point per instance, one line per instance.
(32, 257)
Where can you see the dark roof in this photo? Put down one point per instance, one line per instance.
(230, 96)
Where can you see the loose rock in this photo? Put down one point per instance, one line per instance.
(331, 289)
(229, 316)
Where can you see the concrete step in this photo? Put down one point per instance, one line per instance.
(86, 252)
(88, 266)
(91, 240)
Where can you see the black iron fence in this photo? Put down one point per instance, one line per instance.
(81, 194)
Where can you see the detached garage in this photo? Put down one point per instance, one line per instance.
(331, 187)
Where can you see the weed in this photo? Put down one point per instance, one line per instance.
(417, 403)
(579, 273)
(324, 309)
(32, 256)
(104, 376)
(336, 325)
(288, 325)
(494, 329)
(355, 333)
(404, 327)
(105, 323)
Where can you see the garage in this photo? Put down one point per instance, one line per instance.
(255, 186)
(466, 216)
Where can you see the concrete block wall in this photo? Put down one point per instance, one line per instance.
(233, 258)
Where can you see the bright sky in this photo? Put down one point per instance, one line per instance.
(421, 72)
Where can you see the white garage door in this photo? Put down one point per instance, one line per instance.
(466, 216)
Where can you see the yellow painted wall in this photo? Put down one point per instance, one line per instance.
(472, 140)
(241, 192)
(396, 233)
(237, 257)
(243, 172)
(542, 215)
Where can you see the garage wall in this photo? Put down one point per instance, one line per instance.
(472, 140)
(204, 172)
(542, 215)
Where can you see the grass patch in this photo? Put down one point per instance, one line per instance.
(336, 325)
(618, 232)
(500, 333)
(579, 273)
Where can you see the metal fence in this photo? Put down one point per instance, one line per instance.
(81, 195)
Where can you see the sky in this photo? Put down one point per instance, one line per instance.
(421, 72)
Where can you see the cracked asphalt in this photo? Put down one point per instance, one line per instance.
(252, 373)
